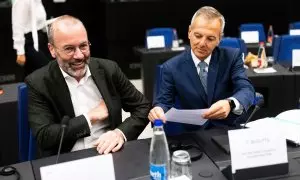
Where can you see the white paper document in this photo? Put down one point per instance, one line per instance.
(290, 129)
(187, 116)
(265, 70)
(93, 168)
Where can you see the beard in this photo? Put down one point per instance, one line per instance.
(75, 68)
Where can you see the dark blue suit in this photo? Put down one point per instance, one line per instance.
(226, 78)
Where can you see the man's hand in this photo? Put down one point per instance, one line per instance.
(218, 110)
(111, 141)
(21, 59)
(157, 113)
(99, 113)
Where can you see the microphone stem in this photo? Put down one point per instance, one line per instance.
(253, 112)
(60, 144)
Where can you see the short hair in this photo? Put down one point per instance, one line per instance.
(210, 13)
(69, 20)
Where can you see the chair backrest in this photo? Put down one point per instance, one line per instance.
(283, 49)
(254, 27)
(294, 28)
(167, 33)
(294, 25)
(171, 128)
(27, 145)
(234, 43)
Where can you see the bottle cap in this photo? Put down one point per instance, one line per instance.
(158, 122)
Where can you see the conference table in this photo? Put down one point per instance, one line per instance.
(132, 161)
(281, 89)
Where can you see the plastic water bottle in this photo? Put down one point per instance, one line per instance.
(159, 153)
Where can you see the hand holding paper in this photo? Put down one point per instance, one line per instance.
(219, 110)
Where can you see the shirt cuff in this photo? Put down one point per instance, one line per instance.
(125, 139)
(88, 120)
(238, 110)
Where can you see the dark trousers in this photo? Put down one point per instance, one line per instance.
(36, 59)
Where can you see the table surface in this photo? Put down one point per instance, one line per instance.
(10, 91)
(132, 162)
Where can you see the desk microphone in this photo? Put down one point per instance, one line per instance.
(259, 98)
(64, 124)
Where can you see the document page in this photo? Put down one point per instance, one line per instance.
(188, 116)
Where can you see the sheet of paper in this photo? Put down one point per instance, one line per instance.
(93, 168)
(265, 70)
(296, 57)
(256, 147)
(188, 116)
(155, 42)
(250, 36)
(289, 129)
(294, 31)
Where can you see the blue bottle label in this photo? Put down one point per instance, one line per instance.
(158, 172)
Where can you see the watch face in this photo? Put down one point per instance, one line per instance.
(232, 104)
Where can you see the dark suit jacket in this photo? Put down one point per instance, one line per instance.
(50, 101)
(226, 78)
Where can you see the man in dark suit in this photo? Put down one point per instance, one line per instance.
(90, 93)
(205, 76)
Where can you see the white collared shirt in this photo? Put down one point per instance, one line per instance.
(85, 96)
(238, 110)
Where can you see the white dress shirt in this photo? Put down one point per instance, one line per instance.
(85, 96)
(27, 16)
(238, 110)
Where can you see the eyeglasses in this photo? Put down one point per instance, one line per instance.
(70, 50)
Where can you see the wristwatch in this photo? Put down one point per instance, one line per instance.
(232, 104)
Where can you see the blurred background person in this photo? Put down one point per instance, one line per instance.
(29, 28)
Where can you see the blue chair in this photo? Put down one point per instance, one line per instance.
(283, 49)
(254, 27)
(168, 34)
(294, 26)
(27, 144)
(234, 43)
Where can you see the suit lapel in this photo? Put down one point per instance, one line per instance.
(98, 76)
(194, 76)
(60, 91)
(212, 76)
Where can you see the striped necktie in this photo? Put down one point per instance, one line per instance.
(203, 74)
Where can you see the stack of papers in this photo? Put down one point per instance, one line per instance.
(289, 128)
(265, 70)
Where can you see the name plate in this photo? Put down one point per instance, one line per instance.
(250, 36)
(155, 42)
(91, 168)
(294, 31)
(295, 57)
(257, 147)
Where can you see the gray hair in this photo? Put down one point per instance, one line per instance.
(67, 19)
(210, 13)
